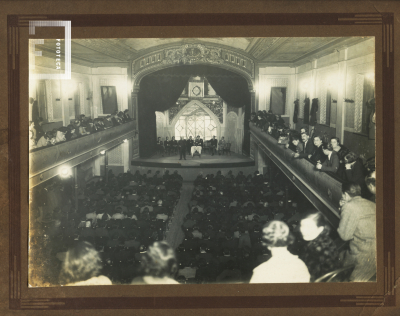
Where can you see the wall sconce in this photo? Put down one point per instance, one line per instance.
(103, 152)
(65, 172)
(90, 96)
(125, 140)
(370, 77)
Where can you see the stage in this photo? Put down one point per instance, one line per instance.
(191, 167)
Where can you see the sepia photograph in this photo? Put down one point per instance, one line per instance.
(184, 161)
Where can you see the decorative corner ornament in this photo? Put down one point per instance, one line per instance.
(193, 53)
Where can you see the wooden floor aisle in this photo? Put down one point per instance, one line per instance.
(175, 234)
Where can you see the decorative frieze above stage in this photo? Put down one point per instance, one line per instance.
(192, 54)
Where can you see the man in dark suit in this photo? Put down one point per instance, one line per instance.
(182, 148)
(332, 162)
(167, 145)
(189, 144)
(308, 147)
(213, 145)
(160, 146)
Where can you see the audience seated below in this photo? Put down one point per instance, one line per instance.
(239, 229)
(80, 127)
(120, 219)
(326, 153)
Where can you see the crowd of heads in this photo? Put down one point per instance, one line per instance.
(79, 127)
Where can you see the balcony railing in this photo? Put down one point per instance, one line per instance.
(324, 190)
(46, 162)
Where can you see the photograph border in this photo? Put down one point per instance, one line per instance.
(386, 298)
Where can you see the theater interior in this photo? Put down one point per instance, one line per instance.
(150, 88)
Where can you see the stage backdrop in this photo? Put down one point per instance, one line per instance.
(160, 90)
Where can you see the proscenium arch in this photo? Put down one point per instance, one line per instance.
(202, 106)
(136, 78)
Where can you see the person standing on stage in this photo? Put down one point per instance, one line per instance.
(167, 145)
(198, 145)
(221, 145)
(189, 144)
(182, 148)
(160, 146)
(214, 143)
(174, 144)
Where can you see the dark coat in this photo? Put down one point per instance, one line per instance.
(313, 113)
(214, 142)
(307, 111)
(318, 154)
(308, 149)
(296, 111)
(331, 164)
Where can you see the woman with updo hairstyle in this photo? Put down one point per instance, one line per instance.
(342, 151)
(318, 251)
(282, 267)
(158, 265)
(82, 266)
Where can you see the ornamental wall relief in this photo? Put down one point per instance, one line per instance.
(191, 53)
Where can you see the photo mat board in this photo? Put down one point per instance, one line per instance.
(385, 69)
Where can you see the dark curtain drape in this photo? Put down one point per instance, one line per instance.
(157, 93)
(306, 111)
(160, 90)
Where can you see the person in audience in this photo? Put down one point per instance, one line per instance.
(39, 128)
(295, 145)
(318, 154)
(342, 151)
(331, 164)
(283, 267)
(370, 182)
(127, 117)
(308, 147)
(44, 140)
(82, 266)
(198, 145)
(32, 143)
(318, 252)
(107, 122)
(358, 225)
(32, 129)
(60, 135)
(355, 172)
(283, 139)
(158, 265)
(189, 144)
(213, 145)
(221, 145)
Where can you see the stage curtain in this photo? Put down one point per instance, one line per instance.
(157, 93)
(234, 91)
(160, 90)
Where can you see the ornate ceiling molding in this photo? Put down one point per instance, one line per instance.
(262, 46)
(193, 54)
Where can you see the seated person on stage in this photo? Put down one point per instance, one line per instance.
(160, 146)
(189, 144)
(213, 145)
(198, 145)
(318, 154)
(174, 144)
(167, 145)
(332, 162)
(221, 145)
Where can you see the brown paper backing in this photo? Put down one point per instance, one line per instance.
(194, 19)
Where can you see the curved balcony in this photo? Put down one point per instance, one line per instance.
(322, 189)
(46, 162)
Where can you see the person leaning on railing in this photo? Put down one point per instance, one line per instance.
(330, 164)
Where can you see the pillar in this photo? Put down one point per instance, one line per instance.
(253, 100)
(341, 95)
(76, 186)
